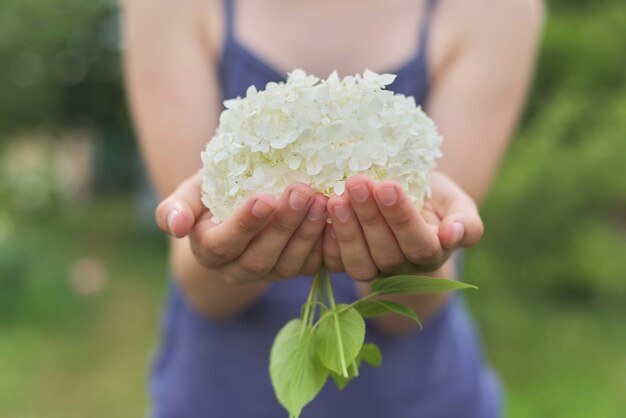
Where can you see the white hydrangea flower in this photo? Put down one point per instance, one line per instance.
(317, 132)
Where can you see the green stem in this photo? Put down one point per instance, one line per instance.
(314, 302)
(351, 305)
(333, 308)
(355, 369)
(309, 302)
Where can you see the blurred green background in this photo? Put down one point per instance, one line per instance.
(82, 269)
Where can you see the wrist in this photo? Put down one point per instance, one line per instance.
(205, 289)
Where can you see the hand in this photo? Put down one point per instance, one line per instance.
(377, 230)
(263, 239)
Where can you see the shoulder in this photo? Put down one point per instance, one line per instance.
(498, 33)
(160, 11)
(166, 22)
(492, 21)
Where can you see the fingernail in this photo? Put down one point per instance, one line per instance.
(360, 193)
(297, 200)
(342, 213)
(170, 221)
(387, 196)
(316, 212)
(457, 232)
(261, 209)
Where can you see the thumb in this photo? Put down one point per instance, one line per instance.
(177, 213)
(460, 224)
(461, 229)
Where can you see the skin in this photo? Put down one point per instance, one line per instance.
(481, 55)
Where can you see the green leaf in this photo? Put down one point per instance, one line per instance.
(372, 308)
(342, 381)
(416, 284)
(370, 353)
(334, 340)
(296, 373)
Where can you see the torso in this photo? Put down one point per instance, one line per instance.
(381, 35)
(438, 372)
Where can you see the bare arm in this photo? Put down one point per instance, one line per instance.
(174, 95)
(172, 84)
(175, 100)
(476, 99)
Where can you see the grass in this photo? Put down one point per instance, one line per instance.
(90, 360)
(558, 359)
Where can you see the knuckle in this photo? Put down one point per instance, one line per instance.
(200, 257)
(281, 227)
(423, 253)
(203, 261)
(285, 270)
(370, 219)
(349, 235)
(363, 274)
(307, 234)
(389, 261)
(402, 220)
(220, 251)
(244, 227)
(233, 279)
(253, 265)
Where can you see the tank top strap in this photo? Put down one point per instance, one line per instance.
(427, 14)
(229, 15)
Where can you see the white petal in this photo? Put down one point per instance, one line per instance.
(251, 92)
(339, 188)
(318, 134)
(387, 79)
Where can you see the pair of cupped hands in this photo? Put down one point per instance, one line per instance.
(375, 230)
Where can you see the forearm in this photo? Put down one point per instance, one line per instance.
(425, 306)
(206, 290)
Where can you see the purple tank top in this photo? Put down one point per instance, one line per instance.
(208, 369)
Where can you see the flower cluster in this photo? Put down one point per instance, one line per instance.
(317, 132)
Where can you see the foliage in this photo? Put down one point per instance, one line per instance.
(62, 64)
(61, 71)
(556, 217)
(305, 351)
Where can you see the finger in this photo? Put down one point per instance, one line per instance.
(418, 240)
(301, 244)
(353, 248)
(332, 258)
(177, 213)
(216, 245)
(261, 255)
(314, 260)
(461, 225)
(383, 246)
